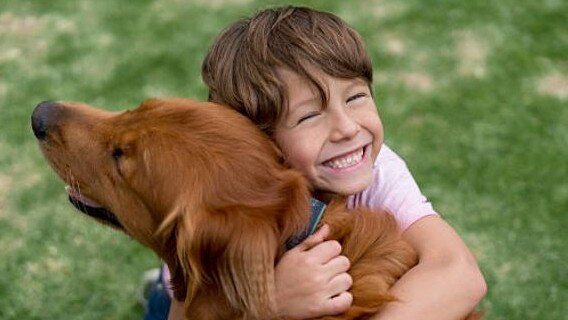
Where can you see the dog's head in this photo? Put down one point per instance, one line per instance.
(196, 182)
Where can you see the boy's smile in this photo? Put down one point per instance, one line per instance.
(334, 146)
(349, 160)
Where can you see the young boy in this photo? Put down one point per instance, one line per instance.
(304, 77)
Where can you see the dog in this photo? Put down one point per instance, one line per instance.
(207, 191)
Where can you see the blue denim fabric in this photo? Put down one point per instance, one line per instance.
(158, 301)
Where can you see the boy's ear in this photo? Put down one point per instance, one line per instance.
(234, 251)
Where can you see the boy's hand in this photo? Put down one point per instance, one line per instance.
(312, 279)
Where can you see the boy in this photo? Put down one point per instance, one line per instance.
(304, 77)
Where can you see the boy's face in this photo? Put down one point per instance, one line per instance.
(335, 147)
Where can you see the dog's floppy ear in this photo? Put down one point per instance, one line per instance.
(179, 273)
(232, 249)
(227, 248)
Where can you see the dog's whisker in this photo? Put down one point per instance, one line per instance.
(74, 184)
(78, 189)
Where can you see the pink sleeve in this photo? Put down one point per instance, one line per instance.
(394, 189)
(166, 280)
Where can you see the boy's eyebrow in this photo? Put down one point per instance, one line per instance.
(356, 83)
(303, 102)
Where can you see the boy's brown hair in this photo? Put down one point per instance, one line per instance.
(241, 67)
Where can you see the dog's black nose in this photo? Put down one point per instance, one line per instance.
(43, 117)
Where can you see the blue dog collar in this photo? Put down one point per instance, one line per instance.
(317, 210)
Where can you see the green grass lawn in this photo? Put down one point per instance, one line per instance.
(473, 94)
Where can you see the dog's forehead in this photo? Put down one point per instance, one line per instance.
(146, 115)
(156, 111)
(173, 121)
(150, 122)
(173, 104)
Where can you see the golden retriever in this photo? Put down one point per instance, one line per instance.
(206, 190)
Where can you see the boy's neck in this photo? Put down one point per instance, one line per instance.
(324, 196)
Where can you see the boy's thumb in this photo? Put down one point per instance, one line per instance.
(316, 238)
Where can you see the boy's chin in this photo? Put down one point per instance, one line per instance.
(351, 190)
(328, 192)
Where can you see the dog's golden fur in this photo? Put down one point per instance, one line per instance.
(201, 186)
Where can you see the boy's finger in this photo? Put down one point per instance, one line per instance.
(325, 252)
(338, 264)
(314, 239)
(340, 283)
(340, 303)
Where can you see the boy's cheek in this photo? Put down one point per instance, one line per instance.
(376, 152)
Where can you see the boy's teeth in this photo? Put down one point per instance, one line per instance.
(347, 161)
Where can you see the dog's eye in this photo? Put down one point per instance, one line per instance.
(117, 153)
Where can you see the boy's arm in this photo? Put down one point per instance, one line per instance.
(446, 283)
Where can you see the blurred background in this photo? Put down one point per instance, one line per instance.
(473, 95)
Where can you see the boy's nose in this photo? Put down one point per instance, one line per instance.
(344, 126)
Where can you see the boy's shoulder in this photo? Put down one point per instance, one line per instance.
(394, 189)
(388, 168)
(388, 165)
(388, 157)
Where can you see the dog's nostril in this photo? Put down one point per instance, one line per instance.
(42, 118)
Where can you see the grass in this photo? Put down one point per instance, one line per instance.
(474, 95)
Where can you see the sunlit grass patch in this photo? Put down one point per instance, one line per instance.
(472, 94)
(555, 85)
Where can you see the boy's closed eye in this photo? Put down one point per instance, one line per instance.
(308, 116)
(356, 96)
(314, 113)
